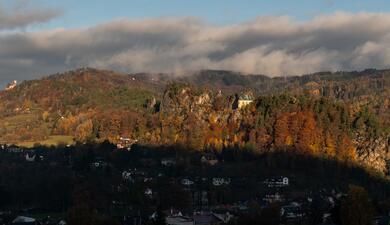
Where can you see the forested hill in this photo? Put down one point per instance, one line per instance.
(343, 115)
(339, 84)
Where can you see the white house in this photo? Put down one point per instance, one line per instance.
(186, 182)
(30, 158)
(277, 182)
(221, 181)
(245, 99)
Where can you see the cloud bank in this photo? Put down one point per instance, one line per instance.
(273, 45)
(22, 14)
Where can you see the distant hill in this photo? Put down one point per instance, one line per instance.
(343, 115)
(330, 84)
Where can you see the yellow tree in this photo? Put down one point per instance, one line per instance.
(84, 131)
(282, 135)
(330, 145)
(307, 137)
(346, 150)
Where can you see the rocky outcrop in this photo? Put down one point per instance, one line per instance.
(373, 152)
(210, 108)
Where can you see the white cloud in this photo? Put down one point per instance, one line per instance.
(267, 45)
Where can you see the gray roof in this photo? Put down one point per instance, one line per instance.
(246, 96)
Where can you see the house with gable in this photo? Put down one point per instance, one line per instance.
(243, 99)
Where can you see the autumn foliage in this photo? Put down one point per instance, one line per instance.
(97, 105)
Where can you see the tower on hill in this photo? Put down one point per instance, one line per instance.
(11, 85)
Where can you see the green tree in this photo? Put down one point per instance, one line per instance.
(356, 208)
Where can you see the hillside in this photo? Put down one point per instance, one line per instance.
(34, 109)
(342, 115)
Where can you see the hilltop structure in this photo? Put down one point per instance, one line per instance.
(11, 85)
(245, 99)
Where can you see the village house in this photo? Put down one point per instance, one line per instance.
(148, 192)
(148, 179)
(273, 197)
(186, 182)
(292, 211)
(126, 176)
(30, 158)
(168, 162)
(14, 149)
(208, 159)
(99, 164)
(224, 217)
(23, 220)
(277, 182)
(206, 218)
(179, 220)
(175, 217)
(132, 174)
(221, 181)
(126, 143)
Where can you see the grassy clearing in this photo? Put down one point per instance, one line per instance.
(51, 141)
(19, 120)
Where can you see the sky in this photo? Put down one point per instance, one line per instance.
(276, 38)
(86, 13)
